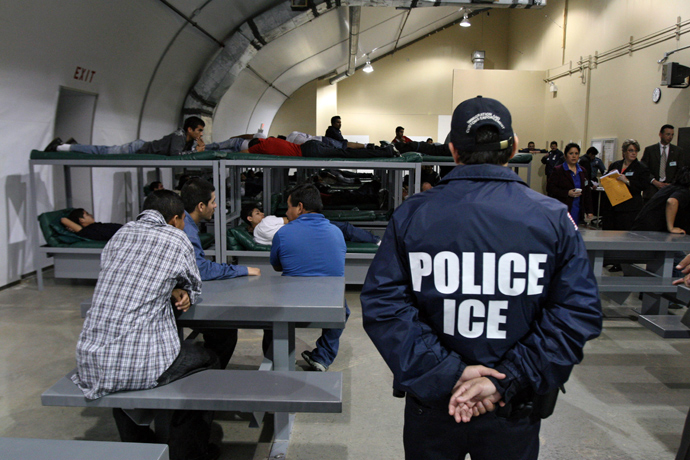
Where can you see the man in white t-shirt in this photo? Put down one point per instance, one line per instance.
(263, 227)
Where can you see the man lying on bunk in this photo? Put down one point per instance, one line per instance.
(299, 138)
(263, 227)
(315, 149)
(199, 198)
(185, 140)
(84, 225)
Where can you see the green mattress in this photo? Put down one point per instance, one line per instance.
(39, 155)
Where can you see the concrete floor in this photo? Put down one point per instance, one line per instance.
(627, 400)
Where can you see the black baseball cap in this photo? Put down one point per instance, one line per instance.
(476, 112)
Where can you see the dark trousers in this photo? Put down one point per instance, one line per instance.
(431, 434)
(186, 432)
(316, 149)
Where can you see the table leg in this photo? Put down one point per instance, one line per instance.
(283, 360)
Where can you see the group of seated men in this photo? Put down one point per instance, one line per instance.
(153, 269)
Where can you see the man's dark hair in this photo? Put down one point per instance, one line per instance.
(570, 146)
(166, 202)
(196, 190)
(280, 136)
(193, 122)
(335, 118)
(552, 143)
(667, 126)
(487, 134)
(682, 177)
(592, 151)
(247, 210)
(253, 142)
(154, 185)
(308, 195)
(398, 129)
(530, 142)
(76, 214)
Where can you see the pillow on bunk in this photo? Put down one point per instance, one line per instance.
(246, 241)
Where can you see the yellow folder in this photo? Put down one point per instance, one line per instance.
(616, 190)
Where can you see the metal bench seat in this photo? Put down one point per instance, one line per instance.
(219, 390)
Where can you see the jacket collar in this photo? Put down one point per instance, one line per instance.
(482, 172)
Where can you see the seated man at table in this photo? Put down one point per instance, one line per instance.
(129, 340)
(199, 198)
(310, 246)
(83, 224)
(315, 149)
(263, 227)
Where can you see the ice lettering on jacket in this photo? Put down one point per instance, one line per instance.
(510, 274)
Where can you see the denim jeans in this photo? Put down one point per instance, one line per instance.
(186, 432)
(231, 145)
(327, 345)
(130, 148)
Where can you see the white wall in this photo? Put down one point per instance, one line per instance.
(41, 46)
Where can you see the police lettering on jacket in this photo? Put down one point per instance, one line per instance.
(510, 274)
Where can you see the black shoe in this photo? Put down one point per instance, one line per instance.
(52, 147)
(71, 140)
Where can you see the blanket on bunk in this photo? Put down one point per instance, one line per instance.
(410, 157)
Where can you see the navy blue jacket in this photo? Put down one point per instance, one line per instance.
(480, 270)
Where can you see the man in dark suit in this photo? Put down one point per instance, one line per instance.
(663, 160)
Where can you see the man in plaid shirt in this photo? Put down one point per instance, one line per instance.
(130, 341)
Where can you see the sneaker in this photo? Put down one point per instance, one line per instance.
(52, 147)
(71, 141)
(315, 365)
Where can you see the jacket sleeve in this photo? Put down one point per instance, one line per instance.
(571, 315)
(641, 179)
(421, 364)
(555, 185)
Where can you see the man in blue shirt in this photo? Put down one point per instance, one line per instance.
(199, 198)
(310, 246)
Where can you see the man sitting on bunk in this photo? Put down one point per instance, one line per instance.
(263, 227)
(185, 140)
(199, 198)
(84, 225)
(315, 149)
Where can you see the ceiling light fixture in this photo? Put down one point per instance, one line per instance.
(465, 21)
